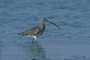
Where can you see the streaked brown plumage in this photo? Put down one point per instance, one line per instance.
(37, 30)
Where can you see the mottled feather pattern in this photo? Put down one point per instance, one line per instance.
(37, 30)
(33, 31)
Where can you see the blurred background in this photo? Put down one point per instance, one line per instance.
(72, 42)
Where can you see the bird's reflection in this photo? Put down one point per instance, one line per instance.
(0, 51)
(34, 51)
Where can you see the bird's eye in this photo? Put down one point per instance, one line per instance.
(26, 34)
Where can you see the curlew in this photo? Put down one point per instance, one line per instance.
(36, 31)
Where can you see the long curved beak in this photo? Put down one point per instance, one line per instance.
(54, 24)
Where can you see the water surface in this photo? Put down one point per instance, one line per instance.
(71, 42)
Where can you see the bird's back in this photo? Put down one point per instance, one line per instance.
(33, 31)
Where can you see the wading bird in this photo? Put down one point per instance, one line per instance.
(36, 31)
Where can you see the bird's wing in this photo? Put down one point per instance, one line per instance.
(34, 30)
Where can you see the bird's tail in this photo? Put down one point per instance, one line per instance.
(21, 34)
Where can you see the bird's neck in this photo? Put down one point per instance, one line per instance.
(42, 25)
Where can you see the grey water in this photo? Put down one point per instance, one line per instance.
(72, 42)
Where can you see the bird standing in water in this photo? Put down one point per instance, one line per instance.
(36, 31)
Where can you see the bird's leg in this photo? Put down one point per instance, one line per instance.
(33, 40)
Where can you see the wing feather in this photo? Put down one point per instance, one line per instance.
(34, 30)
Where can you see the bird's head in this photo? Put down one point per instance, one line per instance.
(45, 20)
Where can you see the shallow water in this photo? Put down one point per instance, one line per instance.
(72, 42)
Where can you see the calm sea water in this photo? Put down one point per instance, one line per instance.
(72, 42)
